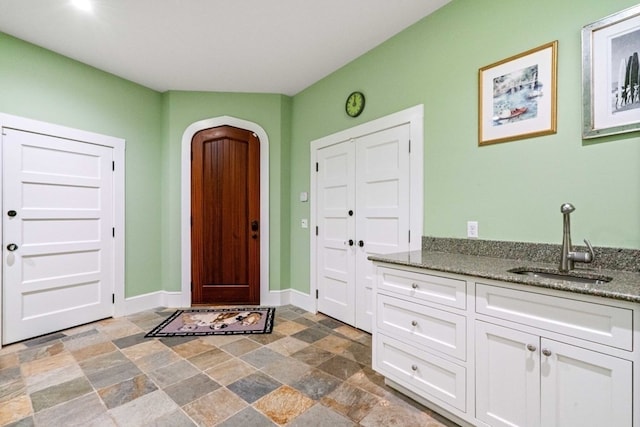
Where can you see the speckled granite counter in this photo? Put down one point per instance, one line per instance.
(625, 285)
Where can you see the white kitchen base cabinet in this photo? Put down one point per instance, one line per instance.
(507, 355)
(525, 380)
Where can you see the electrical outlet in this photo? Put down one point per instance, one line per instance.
(472, 229)
(304, 223)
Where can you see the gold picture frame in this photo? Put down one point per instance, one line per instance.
(517, 97)
(610, 75)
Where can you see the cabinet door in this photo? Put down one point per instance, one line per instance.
(382, 208)
(507, 376)
(335, 257)
(584, 388)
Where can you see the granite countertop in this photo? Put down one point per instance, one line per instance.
(625, 285)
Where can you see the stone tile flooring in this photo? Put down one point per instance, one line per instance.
(311, 371)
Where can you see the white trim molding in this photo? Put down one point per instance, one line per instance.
(413, 116)
(265, 296)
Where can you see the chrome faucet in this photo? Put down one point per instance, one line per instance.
(568, 257)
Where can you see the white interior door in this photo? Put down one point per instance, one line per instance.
(336, 231)
(382, 208)
(60, 273)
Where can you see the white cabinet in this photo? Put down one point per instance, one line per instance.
(420, 335)
(527, 380)
(362, 209)
(488, 353)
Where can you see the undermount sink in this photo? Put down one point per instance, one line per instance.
(573, 276)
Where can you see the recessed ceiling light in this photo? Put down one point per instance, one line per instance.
(84, 5)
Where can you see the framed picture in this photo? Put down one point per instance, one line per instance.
(517, 96)
(611, 74)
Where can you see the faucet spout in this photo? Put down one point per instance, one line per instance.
(568, 256)
(566, 263)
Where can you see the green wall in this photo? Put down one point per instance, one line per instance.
(515, 189)
(41, 85)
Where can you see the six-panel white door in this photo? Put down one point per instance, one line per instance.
(57, 230)
(363, 195)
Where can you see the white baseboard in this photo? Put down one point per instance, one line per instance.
(175, 299)
(302, 300)
(149, 301)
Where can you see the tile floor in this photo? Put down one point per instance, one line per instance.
(311, 371)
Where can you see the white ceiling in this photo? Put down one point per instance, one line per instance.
(265, 46)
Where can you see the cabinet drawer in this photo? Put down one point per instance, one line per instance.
(421, 372)
(599, 323)
(426, 287)
(427, 326)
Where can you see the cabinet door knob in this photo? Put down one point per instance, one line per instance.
(414, 367)
(546, 352)
(531, 347)
(414, 323)
(414, 285)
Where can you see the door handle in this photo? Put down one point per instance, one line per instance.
(351, 242)
(255, 225)
(12, 247)
(12, 213)
(360, 243)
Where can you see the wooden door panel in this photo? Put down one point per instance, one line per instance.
(225, 203)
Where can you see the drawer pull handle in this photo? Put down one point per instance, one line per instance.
(531, 347)
(414, 323)
(546, 352)
(414, 285)
(414, 367)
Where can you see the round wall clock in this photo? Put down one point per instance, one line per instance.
(354, 104)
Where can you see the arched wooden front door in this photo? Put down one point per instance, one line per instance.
(225, 215)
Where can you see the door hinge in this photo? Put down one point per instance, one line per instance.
(316, 230)
(316, 294)
(113, 298)
(409, 146)
(113, 165)
(409, 236)
(317, 167)
(113, 232)
(191, 286)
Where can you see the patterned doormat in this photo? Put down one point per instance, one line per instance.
(216, 321)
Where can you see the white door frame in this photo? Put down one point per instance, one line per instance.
(414, 116)
(118, 146)
(265, 296)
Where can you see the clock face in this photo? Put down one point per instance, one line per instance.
(355, 104)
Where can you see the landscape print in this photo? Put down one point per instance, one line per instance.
(625, 72)
(515, 96)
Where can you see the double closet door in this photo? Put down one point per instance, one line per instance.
(363, 204)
